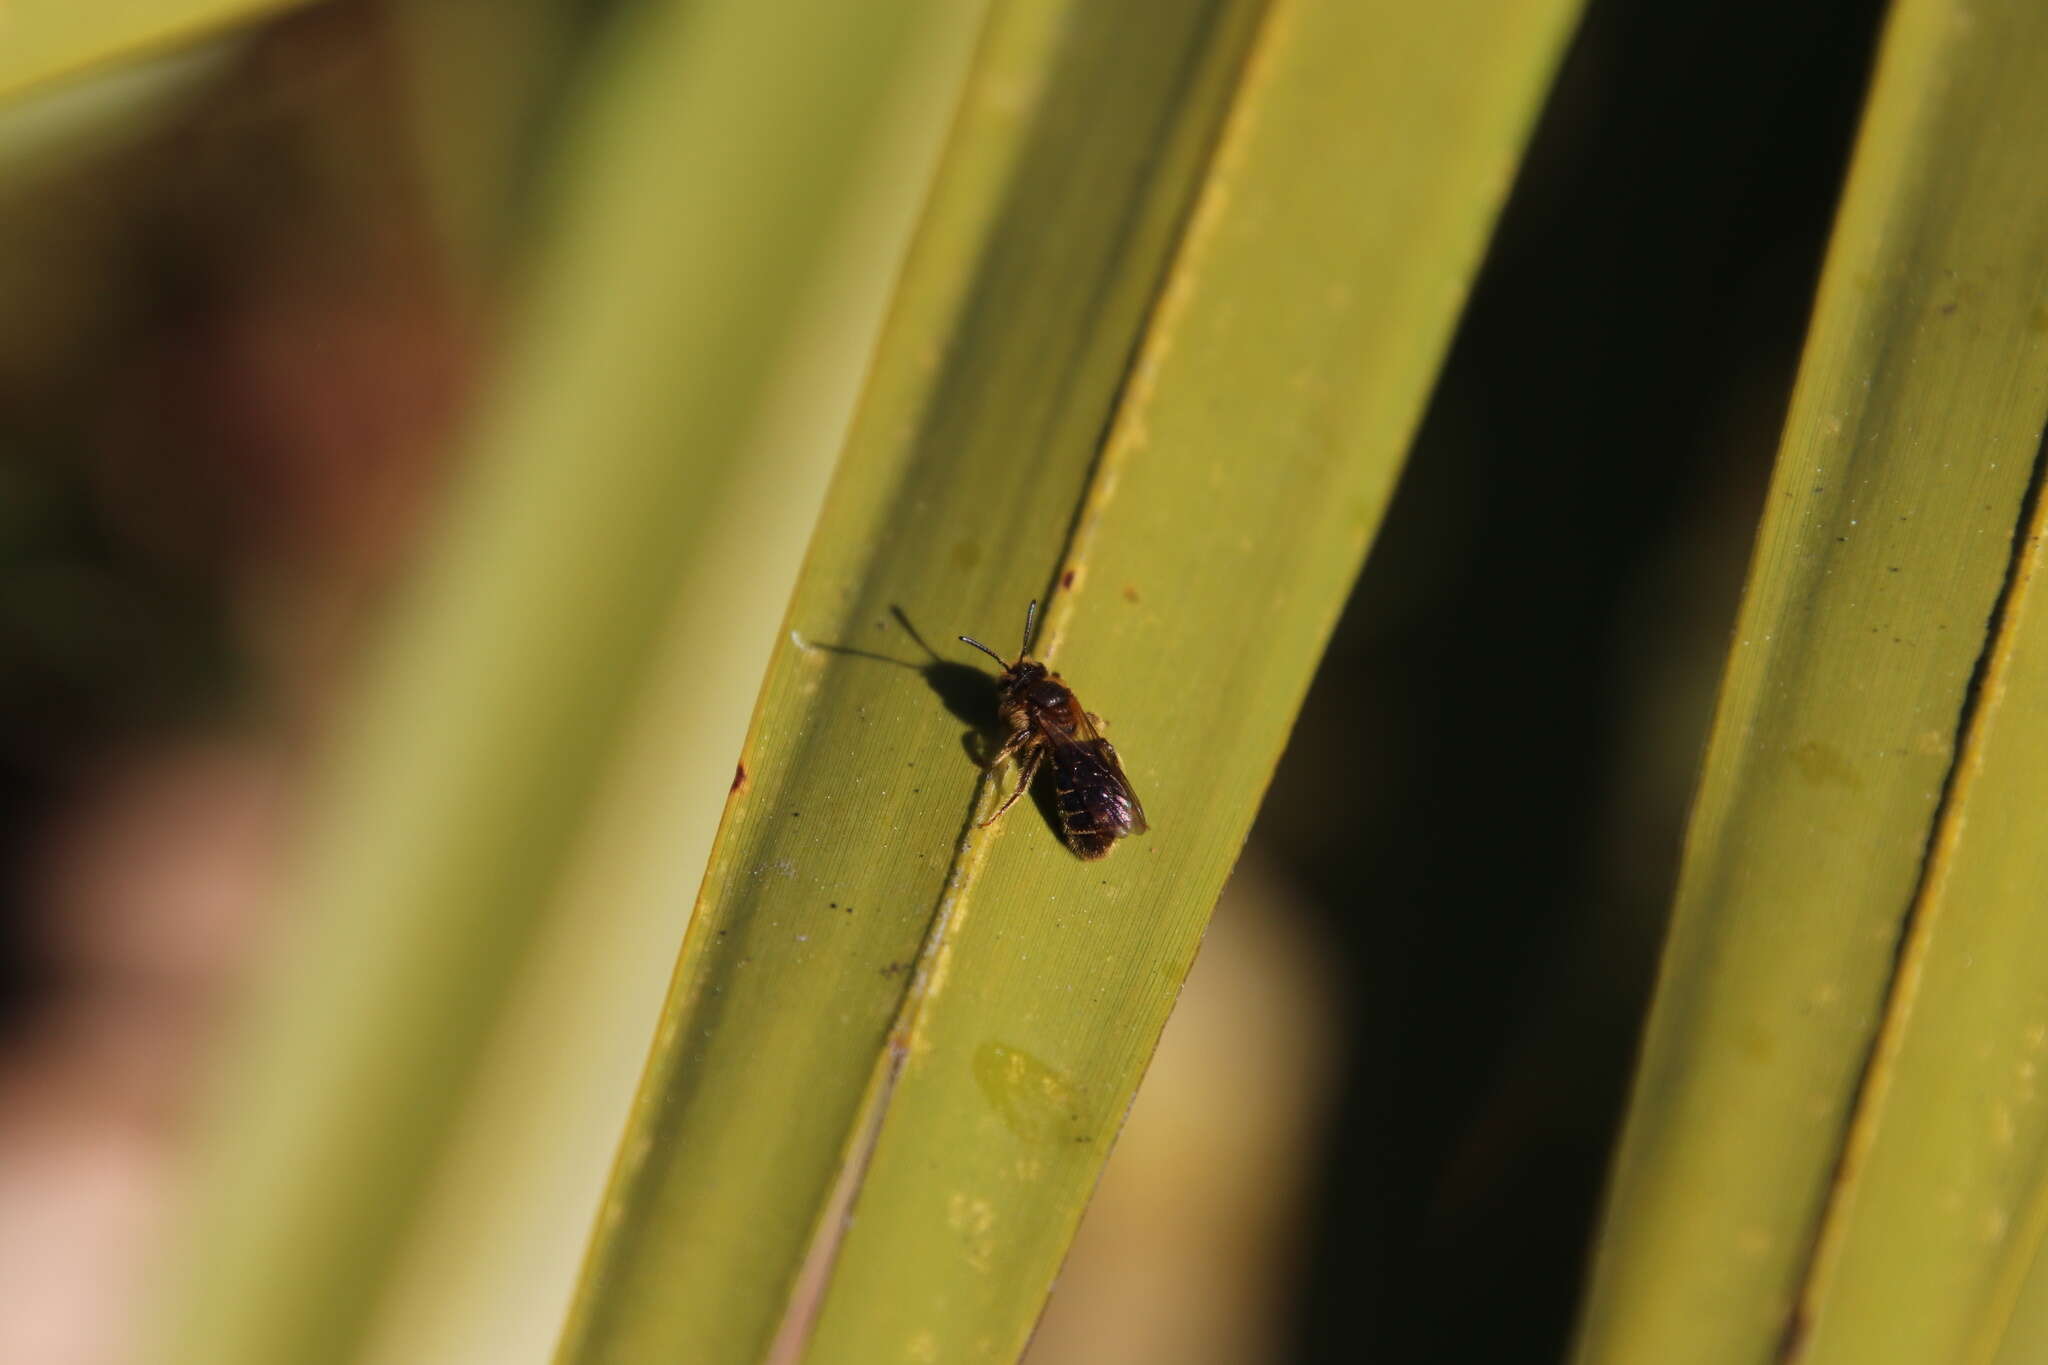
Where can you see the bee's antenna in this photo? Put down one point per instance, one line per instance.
(1030, 620)
(965, 640)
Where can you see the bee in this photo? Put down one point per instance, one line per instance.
(1096, 804)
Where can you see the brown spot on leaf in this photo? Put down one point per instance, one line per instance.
(1823, 764)
(1792, 1341)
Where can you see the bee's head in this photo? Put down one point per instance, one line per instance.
(1022, 674)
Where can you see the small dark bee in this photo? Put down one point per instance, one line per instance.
(1096, 804)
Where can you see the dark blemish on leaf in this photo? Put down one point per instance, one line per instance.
(1130, 593)
(1792, 1342)
(1823, 764)
(1067, 579)
(739, 779)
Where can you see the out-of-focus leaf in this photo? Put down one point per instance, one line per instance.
(44, 42)
(699, 191)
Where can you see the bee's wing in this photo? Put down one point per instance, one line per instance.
(1087, 765)
(1134, 817)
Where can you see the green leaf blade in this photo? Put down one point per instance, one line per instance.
(1075, 156)
(600, 457)
(1263, 429)
(42, 44)
(1267, 421)
(1885, 547)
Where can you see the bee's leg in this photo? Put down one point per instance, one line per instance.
(1017, 740)
(1027, 769)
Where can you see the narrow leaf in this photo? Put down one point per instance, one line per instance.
(1071, 167)
(1885, 548)
(968, 1115)
(1251, 464)
(45, 42)
(698, 194)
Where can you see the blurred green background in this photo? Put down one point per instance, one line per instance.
(250, 288)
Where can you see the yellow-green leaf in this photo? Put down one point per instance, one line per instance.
(1885, 548)
(1939, 1210)
(1081, 134)
(44, 42)
(877, 1002)
(699, 191)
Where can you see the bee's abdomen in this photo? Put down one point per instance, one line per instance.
(1094, 812)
